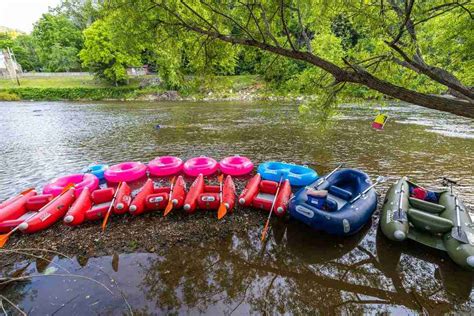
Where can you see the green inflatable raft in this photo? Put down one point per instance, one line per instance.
(444, 223)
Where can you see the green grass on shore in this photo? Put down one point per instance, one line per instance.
(86, 81)
(87, 87)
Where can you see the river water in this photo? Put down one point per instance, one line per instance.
(298, 271)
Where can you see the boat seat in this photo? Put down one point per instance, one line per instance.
(340, 192)
(429, 222)
(331, 205)
(426, 206)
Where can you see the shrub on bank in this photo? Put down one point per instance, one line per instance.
(51, 94)
(8, 96)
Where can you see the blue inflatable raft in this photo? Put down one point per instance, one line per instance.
(297, 175)
(346, 208)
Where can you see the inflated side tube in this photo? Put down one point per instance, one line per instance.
(460, 252)
(77, 213)
(281, 202)
(123, 199)
(195, 190)
(137, 206)
(393, 220)
(179, 193)
(35, 203)
(15, 207)
(250, 191)
(49, 214)
(228, 194)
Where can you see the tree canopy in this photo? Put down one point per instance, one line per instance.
(410, 50)
(403, 49)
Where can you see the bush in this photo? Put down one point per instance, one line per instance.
(52, 94)
(8, 96)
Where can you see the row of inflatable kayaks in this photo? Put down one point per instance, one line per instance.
(340, 202)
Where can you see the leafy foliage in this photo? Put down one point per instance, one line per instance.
(106, 59)
(58, 42)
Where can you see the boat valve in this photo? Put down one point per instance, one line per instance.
(23, 226)
(187, 207)
(399, 235)
(174, 201)
(119, 206)
(68, 219)
(470, 261)
(242, 201)
(133, 208)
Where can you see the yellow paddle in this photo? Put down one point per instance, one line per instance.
(106, 218)
(4, 237)
(169, 206)
(222, 208)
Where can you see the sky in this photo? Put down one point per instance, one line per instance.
(21, 14)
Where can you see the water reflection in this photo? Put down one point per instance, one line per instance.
(301, 273)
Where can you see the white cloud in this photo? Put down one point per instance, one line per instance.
(21, 14)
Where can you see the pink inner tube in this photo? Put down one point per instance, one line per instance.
(125, 172)
(80, 181)
(165, 166)
(205, 165)
(236, 165)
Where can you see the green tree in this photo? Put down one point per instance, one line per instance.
(56, 35)
(24, 49)
(81, 12)
(102, 56)
(393, 58)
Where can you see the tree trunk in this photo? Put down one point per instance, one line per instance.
(455, 106)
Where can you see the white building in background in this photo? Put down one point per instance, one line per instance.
(9, 68)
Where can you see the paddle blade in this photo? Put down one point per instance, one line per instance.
(169, 207)
(26, 191)
(220, 177)
(221, 211)
(4, 238)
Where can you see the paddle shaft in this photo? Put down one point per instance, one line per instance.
(264, 233)
(220, 189)
(111, 206)
(321, 181)
(364, 192)
(170, 199)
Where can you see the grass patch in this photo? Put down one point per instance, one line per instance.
(88, 88)
(56, 94)
(86, 81)
(9, 96)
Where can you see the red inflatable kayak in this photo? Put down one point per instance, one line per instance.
(49, 214)
(207, 197)
(93, 206)
(160, 196)
(261, 193)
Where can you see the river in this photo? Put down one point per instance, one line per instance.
(298, 271)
